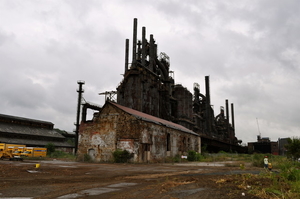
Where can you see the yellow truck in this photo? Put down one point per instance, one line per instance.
(34, 152)
(13, 147)
(18, 150)
(6, 152)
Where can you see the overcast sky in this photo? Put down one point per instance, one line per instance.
(250, 49)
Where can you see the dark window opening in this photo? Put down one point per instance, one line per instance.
(168, 142)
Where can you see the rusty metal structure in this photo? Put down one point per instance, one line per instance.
(152, 117)
(148, 86)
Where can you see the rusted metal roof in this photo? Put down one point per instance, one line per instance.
(24, 119)
(150, 118)
(28, 130)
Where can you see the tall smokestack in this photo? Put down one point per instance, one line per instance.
(134, 41)
(227, 115)
(144, 46)
(208, 108)
(151, 53)
(126, 54)
(232, 117)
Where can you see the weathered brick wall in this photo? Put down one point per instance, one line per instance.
(114, 128)
(99, 135)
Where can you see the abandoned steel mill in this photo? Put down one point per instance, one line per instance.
(152, 117)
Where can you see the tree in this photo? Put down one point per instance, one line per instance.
(50, 148)
(293, 148)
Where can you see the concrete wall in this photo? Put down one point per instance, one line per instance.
(114, 128)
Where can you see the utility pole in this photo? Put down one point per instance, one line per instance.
(258, 130)
(80, 91)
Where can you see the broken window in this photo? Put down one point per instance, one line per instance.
(168, 142)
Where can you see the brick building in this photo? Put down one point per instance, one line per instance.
(147, 137)
(263, 145)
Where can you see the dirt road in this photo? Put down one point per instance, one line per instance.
(69, 180)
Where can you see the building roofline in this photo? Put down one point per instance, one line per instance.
(24, 119)
(153, 119)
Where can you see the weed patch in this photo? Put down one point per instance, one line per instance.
(121, 156)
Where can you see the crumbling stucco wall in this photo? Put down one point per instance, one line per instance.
(97, 138)
(114, 128)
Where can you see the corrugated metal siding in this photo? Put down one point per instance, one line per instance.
(2, 116)
(27, 130)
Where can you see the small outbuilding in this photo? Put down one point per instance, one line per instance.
(148, 138)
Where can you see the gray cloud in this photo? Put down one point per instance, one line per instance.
(250, 50)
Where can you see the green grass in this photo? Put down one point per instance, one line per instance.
(62, 155)
(283, 181)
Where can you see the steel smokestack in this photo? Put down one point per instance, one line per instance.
(126, 54)
(134, 41)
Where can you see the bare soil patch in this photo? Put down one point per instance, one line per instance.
(67, 180)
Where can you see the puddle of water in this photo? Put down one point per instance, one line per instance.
(68, 166)
(97, 191)
(54, 161)
(232, 172)
(16, 198)
(70, 196)
(123, 184)
(184, 193)
(213, 164)
(210, 164)
(91, 192)
(32, 171)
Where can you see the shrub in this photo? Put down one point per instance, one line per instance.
(177, 158)
(199, 157)
(87, 158)
(50, 148)
(204, 148)
(293, 148)
(194, 156)
(191, 156)
(61, 154)
(257, 160)
(57, 154)
(121, 156)
(289, 171)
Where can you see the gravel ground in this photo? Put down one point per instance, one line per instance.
(69, 180)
